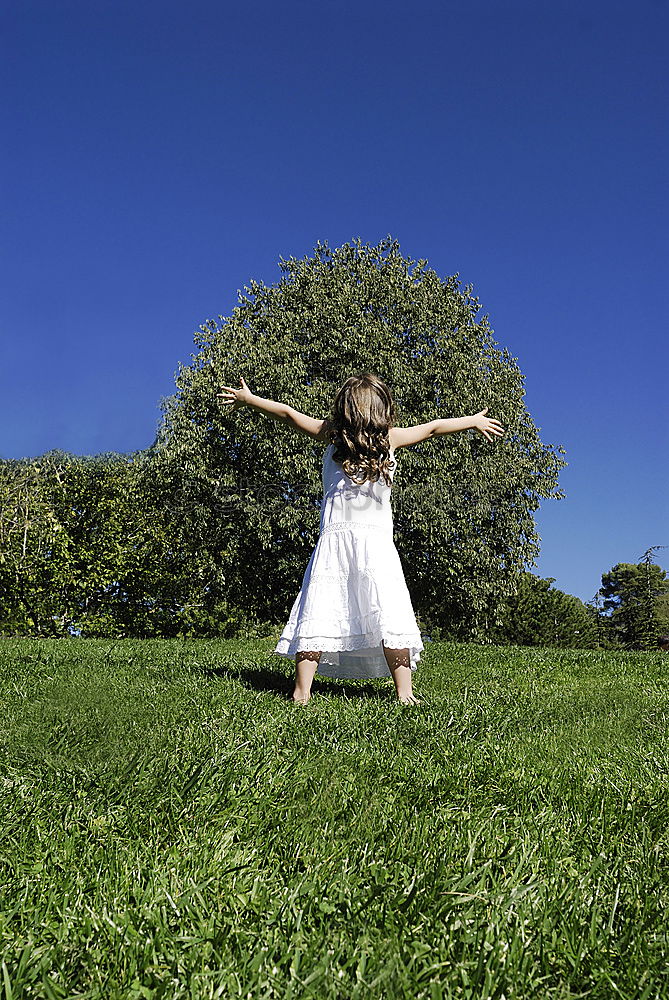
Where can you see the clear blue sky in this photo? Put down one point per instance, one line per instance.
(159, 155)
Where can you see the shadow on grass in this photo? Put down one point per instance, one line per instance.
(261, 678)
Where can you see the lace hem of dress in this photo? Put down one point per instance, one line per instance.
(392, 640)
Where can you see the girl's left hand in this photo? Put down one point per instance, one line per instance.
(487, 426)
(234, 398)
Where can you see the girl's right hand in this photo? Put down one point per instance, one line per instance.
(487, 426)
(234, 398)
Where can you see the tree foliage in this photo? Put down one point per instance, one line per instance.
(243, 492)
(85, 548)
(635, 594)
(539, 615)
(30, 543)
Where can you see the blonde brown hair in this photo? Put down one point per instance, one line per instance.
(363, 412)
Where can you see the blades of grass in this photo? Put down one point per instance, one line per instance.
(196, 773)
(26, 956)
(609, 925)
(7, 986)
(406, 901)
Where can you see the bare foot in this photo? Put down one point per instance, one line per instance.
(410, 700)
(300, 701)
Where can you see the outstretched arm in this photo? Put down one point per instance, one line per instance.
(486, 425)
(277, 411)
(403, 437)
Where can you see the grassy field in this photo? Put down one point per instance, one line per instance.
(171, 826)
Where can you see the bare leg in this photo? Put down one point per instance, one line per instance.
(306, 664)
(399, 663)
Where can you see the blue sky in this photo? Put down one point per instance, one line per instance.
(162, 154)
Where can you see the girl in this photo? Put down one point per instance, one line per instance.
(353, 615)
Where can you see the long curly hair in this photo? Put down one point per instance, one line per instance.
(363, 412)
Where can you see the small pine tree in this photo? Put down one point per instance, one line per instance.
(631, 592)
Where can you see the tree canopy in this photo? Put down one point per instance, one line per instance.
(86, 549)
(540, 615)
(635, 594)
(244, 491)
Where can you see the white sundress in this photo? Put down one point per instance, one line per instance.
(353, 597)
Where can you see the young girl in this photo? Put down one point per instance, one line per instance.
(353, 615)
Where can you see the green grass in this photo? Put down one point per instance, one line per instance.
(172, 827)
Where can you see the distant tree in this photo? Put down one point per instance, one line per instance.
(602, 622)
(659, 605)
(538, 615)
(103, 523)
(243, 493)
(30, 542)
(634, 594)
(662, 611)
(85, 550)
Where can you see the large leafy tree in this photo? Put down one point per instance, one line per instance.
(634, 594)
(244, 491)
